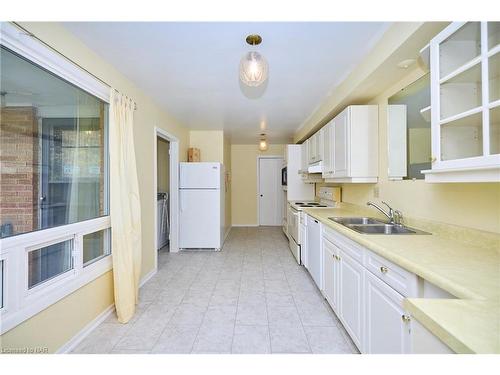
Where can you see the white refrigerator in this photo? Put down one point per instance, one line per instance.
(201, 206)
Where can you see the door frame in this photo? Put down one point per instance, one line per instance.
(258, 182)
(174, 189)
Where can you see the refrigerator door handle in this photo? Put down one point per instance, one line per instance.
(180, 202)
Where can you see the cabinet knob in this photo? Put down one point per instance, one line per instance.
(384, 269)
(406, 318)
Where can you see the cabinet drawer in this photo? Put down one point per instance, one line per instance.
(398, 278)
(348, 246)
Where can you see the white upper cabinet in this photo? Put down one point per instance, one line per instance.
(353, 145)
(316, 148)
(328, 138)
(465, 102)
(304, 157)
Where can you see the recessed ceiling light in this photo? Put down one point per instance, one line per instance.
(405, 64)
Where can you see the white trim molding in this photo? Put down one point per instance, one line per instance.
(26, 45)
(85, 331)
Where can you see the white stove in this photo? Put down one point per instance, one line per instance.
(296, 220)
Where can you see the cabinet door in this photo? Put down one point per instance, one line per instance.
(312, 149)
(303, 156)
(327, 151)
(387, 329)
(351, 297)
(341, 144)
(331, 274)
(319, 145)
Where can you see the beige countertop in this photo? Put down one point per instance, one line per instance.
(471, 272)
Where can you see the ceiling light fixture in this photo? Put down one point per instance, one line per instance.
(253, 66)
(263, 142)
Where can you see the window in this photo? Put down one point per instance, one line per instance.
(53, 138)
(95, 246)
(54, 187)
(49, 262)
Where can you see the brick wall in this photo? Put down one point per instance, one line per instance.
(19, 168)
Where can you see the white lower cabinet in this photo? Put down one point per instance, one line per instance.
(331, 274)
(369, 304)
(351, 297)
(387, 325)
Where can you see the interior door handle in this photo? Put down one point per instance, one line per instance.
(261, 195)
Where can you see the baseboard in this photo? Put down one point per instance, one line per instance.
(244, 225)
(78, 338)
(147, 277)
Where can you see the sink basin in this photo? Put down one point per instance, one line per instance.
(356, 220)
(368, 225)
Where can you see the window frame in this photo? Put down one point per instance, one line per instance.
(19, 302)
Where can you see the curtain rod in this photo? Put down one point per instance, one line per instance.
(66, 57)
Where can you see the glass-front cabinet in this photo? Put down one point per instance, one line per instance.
(465, 103)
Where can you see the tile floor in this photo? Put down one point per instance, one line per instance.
(251, 297)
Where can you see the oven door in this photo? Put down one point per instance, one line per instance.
(293, 224)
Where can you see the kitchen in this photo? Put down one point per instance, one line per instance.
(352, 210)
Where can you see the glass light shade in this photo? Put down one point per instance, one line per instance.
(253, 69)
(263, 145)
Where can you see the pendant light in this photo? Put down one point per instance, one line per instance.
(263, 143)
(253, 66)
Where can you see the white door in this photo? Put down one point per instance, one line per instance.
(270, 202)
(340, 147)
(200, 218)
(351, 297)
(386, 329)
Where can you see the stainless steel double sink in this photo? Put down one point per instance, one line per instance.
(368, 225)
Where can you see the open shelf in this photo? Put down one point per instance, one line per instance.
(495, 130)
(494, 77)
(461, 47)
(461, 93)
(462, 138)
(493, 34)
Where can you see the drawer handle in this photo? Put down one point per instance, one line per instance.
(384, 269)
(406, 318)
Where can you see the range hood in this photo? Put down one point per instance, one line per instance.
(315, 167)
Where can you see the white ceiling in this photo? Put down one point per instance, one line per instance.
(191, 69)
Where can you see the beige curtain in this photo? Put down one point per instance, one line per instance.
(124, 206)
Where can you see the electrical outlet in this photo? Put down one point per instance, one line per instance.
(376, 192)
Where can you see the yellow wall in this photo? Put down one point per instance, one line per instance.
(244, 181)
(163, 165)
(474, 205)
(77, 310)
(54, 326)
(210, 143)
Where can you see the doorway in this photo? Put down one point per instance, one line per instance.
(166, 192)
(270, 204)
(162, 194)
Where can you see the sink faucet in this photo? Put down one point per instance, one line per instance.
(394, 216)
